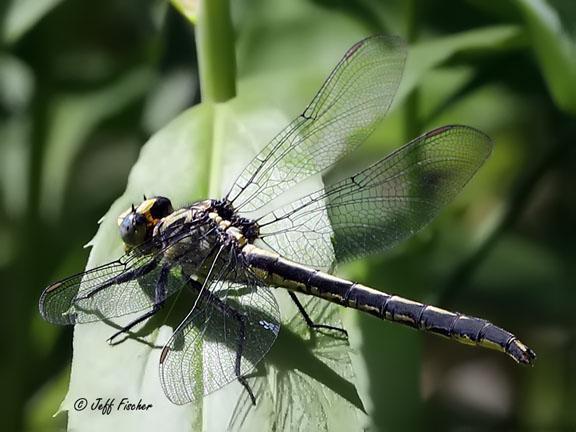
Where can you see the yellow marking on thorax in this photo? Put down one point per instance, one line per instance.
(237, 234)
(226, 225)
(176, 216)
(215, 217)
(222, 223)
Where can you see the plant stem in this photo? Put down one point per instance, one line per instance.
(216, 54)
(217, 69)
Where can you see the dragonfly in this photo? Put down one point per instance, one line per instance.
(232, 252)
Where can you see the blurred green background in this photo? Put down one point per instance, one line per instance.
(83, 85)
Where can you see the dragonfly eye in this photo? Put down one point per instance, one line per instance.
(134, 229)
(162, 207)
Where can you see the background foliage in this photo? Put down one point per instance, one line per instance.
(82, 86)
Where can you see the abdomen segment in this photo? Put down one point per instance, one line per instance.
(280, 272)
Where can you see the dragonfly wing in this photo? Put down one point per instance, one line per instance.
(356, 95)
(381, 205)
(114, 293)
(128, 297)
(57, 300)
(202, 354)
(121, 287)
(305, 390)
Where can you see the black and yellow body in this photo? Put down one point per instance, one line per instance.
(280, 272)
(230, 251)
(210, 244)
(277, 271)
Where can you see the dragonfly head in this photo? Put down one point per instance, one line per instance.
(137, 223)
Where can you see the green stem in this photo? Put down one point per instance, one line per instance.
(217, 68)
(216, 54)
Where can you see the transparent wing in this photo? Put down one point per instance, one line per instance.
(57, 300)
(305, 390)
(356, 95)
(114, 295)
(232, 327)
(381, 205)
(125, 298)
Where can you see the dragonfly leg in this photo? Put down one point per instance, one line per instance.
(196, 287)
(159, 299)
(311, 324)
(239, 351)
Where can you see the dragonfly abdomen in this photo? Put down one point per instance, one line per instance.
(281, 272)
(462, 328)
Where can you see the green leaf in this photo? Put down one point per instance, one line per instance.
(73, 118)
(40, 408)
(188, 8)
(16, 91)
(22, 15)
(309, 384)
(16, 84)
(173, 163)
(428, 55)
(555, 50)
(209, 141)
(304, 383)
(14, 169)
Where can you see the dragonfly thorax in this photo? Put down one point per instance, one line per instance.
(193, 235)
(248, 228)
